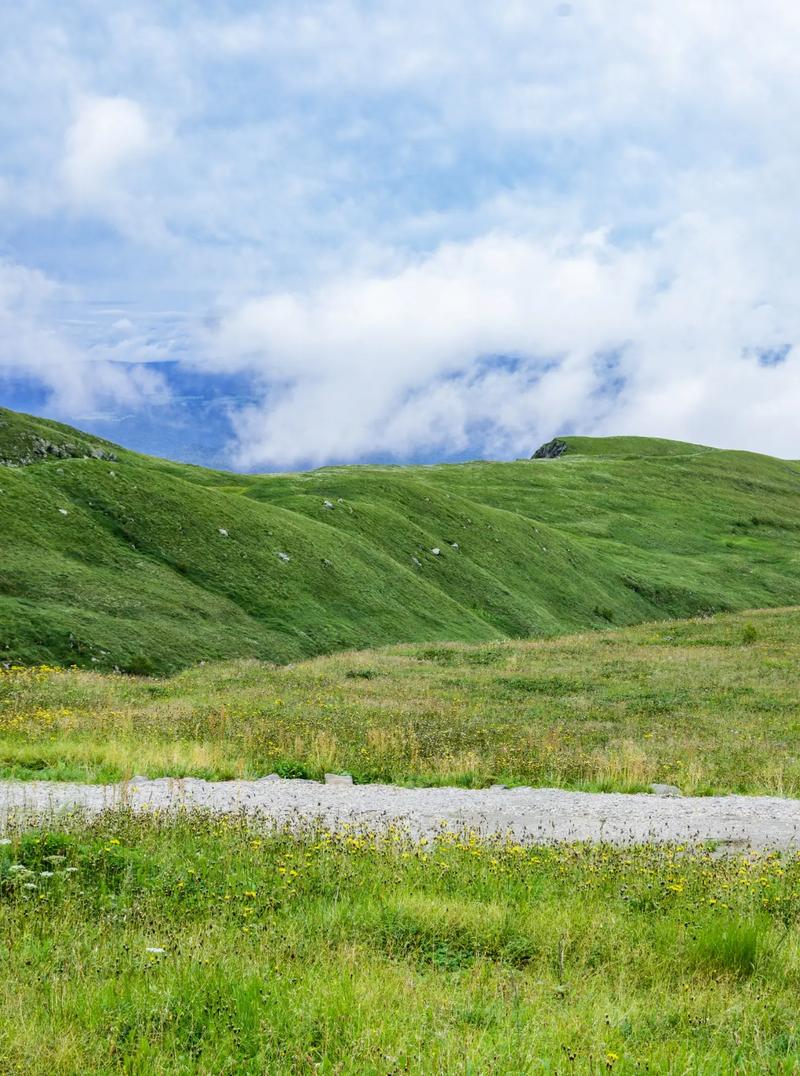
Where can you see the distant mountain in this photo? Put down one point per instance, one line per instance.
(113, 559)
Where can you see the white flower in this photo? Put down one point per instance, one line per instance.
(70, 870)
(19, 868)
(45, 874)
(154, 949)
(29, 885)
(5, 840)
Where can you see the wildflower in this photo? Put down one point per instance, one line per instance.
(45, 874)
(18, 868)
(611, 1059)
(29, 885)
(155, 950)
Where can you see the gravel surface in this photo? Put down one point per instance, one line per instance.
(530, 814)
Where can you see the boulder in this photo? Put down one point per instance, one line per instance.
(551, 451)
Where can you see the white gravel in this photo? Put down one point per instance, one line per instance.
(530, 814)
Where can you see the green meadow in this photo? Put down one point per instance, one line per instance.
(195, 945)
(711, 704)
(626, 614)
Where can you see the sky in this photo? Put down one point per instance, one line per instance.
(280, 235)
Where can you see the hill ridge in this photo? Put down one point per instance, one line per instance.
(113, 559)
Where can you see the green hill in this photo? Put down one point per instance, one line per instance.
(113, 559)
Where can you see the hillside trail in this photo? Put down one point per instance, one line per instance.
(528, 815)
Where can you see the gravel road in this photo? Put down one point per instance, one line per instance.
(530, 814)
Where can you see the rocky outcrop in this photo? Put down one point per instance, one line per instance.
(551, 451)
(36, 449)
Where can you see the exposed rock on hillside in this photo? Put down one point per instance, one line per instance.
(551, 451)
(37, 449)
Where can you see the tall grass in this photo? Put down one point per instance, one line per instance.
(686, 703)
(200, 945)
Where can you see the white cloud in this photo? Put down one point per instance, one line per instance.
(382, 194)
(658, 338)
(33, 346)
(107, 135)
(107, 167)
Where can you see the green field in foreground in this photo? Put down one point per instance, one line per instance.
(109, 559)
(711, 704)
(205, 946)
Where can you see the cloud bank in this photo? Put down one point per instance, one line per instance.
(416, 231)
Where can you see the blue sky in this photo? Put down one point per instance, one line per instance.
(278, 235)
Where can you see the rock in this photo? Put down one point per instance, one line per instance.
(284, 557)
(665, 790)
(338, 779)
(63, 511)
(454, 545)
(417, 561)
(551, 451)
(327, 504)
(223, 532)
(436, 551)
(498, 788)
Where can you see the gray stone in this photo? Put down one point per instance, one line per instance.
(327, 504)
(436, 551)
(551, 451)
(665, 790)
(284, 557)
(498, 788)
(338, 779)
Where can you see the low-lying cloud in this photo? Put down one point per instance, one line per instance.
(501, 341)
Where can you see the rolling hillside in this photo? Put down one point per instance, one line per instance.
(112, 559)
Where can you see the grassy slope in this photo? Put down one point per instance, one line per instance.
(137, 575)
(712, 705)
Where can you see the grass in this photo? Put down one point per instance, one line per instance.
(138, 945)
(710, 704)
(149, 566)
(141, 943)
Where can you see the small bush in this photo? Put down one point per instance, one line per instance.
(141, 665)
(749, 634)
(603, 612)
